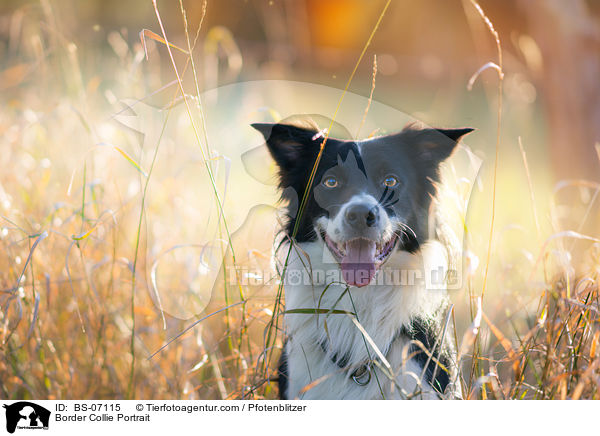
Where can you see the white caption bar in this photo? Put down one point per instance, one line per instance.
(90, 418)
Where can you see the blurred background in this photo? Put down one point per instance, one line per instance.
(100, 227)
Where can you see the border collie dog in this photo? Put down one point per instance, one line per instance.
(365, 316)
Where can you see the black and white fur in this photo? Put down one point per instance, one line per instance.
(374, 196)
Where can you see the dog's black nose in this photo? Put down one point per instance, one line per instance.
(362, 215)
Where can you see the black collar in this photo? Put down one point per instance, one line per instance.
(361, 373)
(419, 330)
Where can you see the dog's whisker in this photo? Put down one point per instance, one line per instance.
(383, 194)
(385, 198)
(406, 226)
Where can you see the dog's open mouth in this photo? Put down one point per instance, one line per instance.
(360, 258)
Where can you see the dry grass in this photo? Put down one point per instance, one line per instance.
(94, 278)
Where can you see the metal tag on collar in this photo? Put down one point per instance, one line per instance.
(362, 375)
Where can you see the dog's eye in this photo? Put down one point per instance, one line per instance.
(390, 181)
(330, 182)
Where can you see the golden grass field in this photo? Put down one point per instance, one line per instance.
(126, 210)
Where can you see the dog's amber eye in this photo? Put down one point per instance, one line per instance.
(390, 181)
(330, 182)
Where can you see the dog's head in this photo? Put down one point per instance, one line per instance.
(368, 198)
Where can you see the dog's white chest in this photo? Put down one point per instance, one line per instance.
(381, 309)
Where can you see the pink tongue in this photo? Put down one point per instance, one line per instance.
(358, 265)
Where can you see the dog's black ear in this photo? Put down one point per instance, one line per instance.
(287, 143)
(455, 134)
(434, 145)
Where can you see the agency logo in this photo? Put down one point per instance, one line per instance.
(26, 415)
